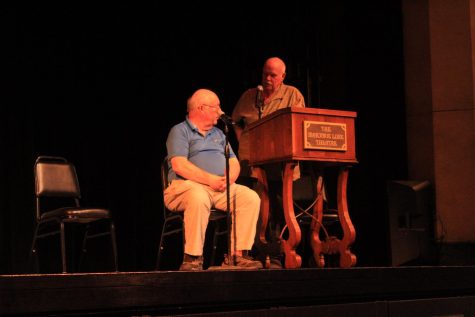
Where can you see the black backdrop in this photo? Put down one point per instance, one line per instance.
(103, 84)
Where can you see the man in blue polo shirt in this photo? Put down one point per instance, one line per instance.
(196, 151)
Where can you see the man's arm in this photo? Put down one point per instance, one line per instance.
(299, 100)
(234, 170)
(239, 109)
(190, 171)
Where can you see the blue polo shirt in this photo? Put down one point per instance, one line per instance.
(206, 152)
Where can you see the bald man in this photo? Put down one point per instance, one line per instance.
(196, 151)
(275, 95)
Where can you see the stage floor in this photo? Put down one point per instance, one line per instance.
(288, 292)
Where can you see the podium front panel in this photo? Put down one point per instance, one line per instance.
(285, 134)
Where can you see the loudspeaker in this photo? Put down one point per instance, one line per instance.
(411, 224)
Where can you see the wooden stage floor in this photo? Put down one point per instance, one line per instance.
(380, 291)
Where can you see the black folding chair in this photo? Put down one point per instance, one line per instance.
(173, 222)
(56, 184)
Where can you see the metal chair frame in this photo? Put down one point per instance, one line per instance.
(173, 222)
(56, 178)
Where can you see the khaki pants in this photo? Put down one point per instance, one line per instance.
(196, 200)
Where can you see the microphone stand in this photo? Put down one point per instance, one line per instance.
(231, 258)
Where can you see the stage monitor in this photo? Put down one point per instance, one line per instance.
(411, 223)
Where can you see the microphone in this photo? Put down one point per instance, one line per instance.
(259, 99)
(226, 119)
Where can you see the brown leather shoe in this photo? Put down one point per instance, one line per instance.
(244, 262)
(193, 265)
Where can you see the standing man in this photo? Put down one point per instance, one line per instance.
(274, 95)
(254, 103)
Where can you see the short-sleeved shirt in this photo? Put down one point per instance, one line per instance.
(245, 110)
(207, 152)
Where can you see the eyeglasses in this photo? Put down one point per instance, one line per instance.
(216, 108)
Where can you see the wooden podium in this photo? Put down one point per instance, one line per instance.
(324, 136)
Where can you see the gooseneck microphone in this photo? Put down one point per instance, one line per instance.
(225, 118)
(259, 99)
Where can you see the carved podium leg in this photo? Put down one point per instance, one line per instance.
(347, 259)
(332, 245)
(263, 191)
(292, 259)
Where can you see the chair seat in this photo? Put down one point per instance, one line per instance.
(217, 214)
(78, 214)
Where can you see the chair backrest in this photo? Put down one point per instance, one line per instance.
(55, 177)
(164, 173)
(164, 178)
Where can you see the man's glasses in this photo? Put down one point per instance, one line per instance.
(216, 108)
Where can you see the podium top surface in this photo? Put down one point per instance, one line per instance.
(300, 110)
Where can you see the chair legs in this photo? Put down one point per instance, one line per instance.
(114, 246)
(174, 224)
(110, 233)
(178, 228)
(34, 252)
(34, 247)
(218, 231)
(40, 233)
(63, 248)
(160, 248)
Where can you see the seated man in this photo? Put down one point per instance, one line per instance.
(196, 152)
